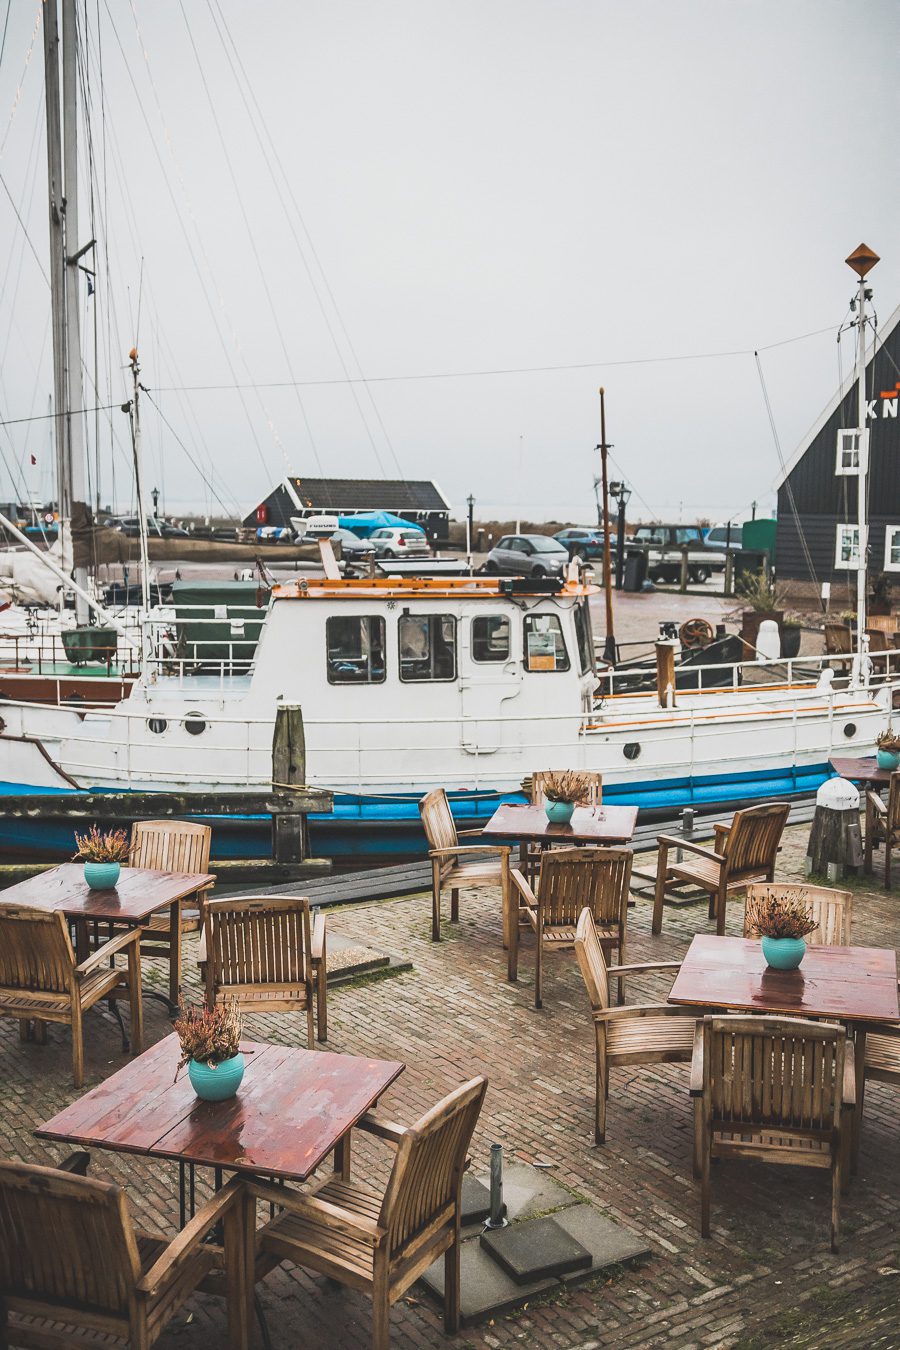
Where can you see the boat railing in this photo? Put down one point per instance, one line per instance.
(214, 641)
(757, 674)
(40, 652)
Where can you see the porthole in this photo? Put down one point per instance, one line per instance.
(195, 724)
(157, 725)
(631, 750)
(850, 729)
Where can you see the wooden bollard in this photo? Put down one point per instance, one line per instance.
(290, 841)
(665, 674)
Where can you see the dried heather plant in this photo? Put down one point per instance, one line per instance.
(102, 846)
(567, 785)
(208, 1035)
(779, 916)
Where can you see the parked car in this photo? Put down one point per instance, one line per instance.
(156, 528)
(665, 544)
(353, 549)
(583, 542)
(393, 541)
(528, 555)
(720, 538)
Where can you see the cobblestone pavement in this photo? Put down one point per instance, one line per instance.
(765, 1277)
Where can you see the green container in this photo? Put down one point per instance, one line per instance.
(205, 617)
(760, 534)
(83, 645)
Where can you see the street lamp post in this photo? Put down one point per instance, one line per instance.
(620, 493)
(470, 503)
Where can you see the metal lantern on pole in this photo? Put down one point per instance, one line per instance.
(620, 493)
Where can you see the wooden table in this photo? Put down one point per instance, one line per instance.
(139, 893)
(857, 985)
(293, 1108)
(589, 825)
(864, 770)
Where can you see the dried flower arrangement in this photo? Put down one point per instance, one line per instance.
(208, 1035)
(889, 740)
(779, 916)
(102, 846)
(567, 785)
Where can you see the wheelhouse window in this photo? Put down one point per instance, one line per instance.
(427, 647)
(545, 646)
(584, 636)
(847, 548)
(892, 549)
(490, 637)
(355, 647)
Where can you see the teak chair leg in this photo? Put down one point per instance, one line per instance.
(310, 1027)
(704, 1187)
(77, 1044)
(512, 950)
(381, 1313)
(539, 963)
(322, 1001)
(721, 908)
(435, 899)
(662, 868)
(601, 1085)
(451, 1287)
(135, 999)
(175, 952)
(454, 906)
(836, 1188)
(870, 830)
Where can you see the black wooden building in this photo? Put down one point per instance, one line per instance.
(817, 493)
(417, 500)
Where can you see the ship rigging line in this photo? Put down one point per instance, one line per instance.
(787, 481)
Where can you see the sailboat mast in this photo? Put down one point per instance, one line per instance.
(57, 257)
(862, 262)
(79, 514)
(139, 485)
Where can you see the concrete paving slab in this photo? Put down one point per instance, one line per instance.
(535, 1249)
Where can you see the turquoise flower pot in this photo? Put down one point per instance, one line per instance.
(559, 813)
(784, 953)
(101, 876)
(888, 759)
(218, 1083)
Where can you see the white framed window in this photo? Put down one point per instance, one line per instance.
(849, 444)
(846, 553)
(892, 548)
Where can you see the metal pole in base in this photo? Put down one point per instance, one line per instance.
(497, 1218)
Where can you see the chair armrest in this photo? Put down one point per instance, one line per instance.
(646, 1010)
(317, 943)
(522, 886)
(696, 1088)
(848, 1087)
(878, 805)
(116, 944)
(341, 1220)
(77, 1163)
(468, 848)
(690, 847)
(644, 965)
(182, 1248)
(465, 834)
(387, 1130)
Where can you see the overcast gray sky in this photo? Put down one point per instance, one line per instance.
(421, 188)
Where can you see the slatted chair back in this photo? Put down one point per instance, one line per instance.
(753, 839)
(832, 910)
(838, 639)
(170, 845)
(572, 878)
(892, 822)
(254, 941)
(35, 951)
(437, 818)
(774, 1074)
(425, 1182)
(67, 1241)
(592, 962)
(595, 794)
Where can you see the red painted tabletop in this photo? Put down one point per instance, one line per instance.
(589, 824)
(857, 984)
(864, 770)
(140, 891)
(290, 1111)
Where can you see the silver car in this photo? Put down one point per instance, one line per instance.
(395, 541)
(528, 555)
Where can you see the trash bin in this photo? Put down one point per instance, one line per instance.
(635, 569)
(748, 562)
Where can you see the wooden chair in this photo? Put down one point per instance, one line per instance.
(381, 1241)
(839, 642)
(454, 864)
(883, 826)
(74, 1270)
(881, 1064)
(533, 786)
(832, 910)
(40, 981)
(171, 846)
(775, 1089)
(570, 879)
(651, 1033)
(262, 951)
(744, 851)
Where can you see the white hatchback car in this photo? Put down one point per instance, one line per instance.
(395, 541)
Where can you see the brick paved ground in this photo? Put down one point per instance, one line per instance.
(765, 1277)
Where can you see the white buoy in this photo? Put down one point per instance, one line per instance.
(768, 641)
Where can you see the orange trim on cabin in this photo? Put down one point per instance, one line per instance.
(444, 588)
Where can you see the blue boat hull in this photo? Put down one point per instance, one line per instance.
(362, 827)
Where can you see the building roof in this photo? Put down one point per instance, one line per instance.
(369, 494)
(848, 384)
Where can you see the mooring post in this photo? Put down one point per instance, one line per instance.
(683, 574)
(289, 829)
(497, 1217)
